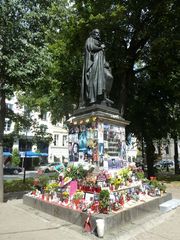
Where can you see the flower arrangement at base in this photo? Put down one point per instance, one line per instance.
(125, 173)
(104, 201)
(51, 187)
(139, 174)
(162, 187)
(75, 172)
(65, 195)
(156, 184)
(116, 181)
(40, 182)
(116, 206)
(78, 195)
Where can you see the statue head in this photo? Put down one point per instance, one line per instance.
(95, 34)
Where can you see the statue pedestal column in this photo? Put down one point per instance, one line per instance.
(97, 135)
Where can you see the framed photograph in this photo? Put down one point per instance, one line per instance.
(89, 197)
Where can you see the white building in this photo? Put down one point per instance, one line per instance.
(57, 149)
(167, 149)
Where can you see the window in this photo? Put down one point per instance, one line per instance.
(27, 111)
(56, 139)
(7, 125)
(64, 140)
(9, 105)
(167, 149)
(43, 116)
(56, 159)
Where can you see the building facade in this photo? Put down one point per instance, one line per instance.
(56, 148)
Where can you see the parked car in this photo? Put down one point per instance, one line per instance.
(50, 167)
(11, 170)
(164, 164)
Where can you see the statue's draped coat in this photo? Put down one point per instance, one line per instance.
(93, 78)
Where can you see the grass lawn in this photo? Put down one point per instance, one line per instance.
(169, 178)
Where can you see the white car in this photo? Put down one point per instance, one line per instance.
(50, 167)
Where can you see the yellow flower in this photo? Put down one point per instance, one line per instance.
(65, 194)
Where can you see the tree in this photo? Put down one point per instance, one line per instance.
(143, 36)
(23, 52)
(64, 73)
(15, 157)
(141, 39)
(41, 137)
(131, 32)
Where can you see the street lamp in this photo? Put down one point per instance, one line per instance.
(24, 160)
(23, 155)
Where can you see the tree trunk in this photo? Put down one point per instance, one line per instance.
(150, 149)
(2, 121)
(176, 162)
(126, 78)
(123, 96)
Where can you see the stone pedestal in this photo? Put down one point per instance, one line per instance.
(97, 135)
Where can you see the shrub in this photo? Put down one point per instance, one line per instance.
(15, 157)
(104, 200)
(18, 185)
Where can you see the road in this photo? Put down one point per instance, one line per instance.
(29, 174)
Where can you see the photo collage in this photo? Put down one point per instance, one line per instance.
(97, 142)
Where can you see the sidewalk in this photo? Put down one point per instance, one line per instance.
(20, 222)
(158, 226)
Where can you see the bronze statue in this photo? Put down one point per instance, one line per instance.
(96, 78)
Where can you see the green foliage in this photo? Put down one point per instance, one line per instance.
(140, 175)
(36, 162)
(75, 172)
(23, 52)
(157, 184)
(78, 195)
(41, 137)
(43, 180)
(51, 187)
(24, 55)
(141, 39)
(8, 140)
(116, 181)
(168, 177)
(62, 66)
(15, 157)
(104, 200)
(18, 185)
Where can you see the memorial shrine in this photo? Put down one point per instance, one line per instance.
(98, 188)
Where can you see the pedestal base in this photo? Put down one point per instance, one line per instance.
(102, 112)
(111, 220)
(97, 135)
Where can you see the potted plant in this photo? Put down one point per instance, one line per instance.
(65, 196)
(116, 182)
(104, 201)
(78, 195)
(140, 175)
(50, 189)
(162, 187)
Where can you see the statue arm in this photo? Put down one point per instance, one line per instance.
(94, 46)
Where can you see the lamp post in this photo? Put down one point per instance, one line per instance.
(24, 161)
(1, 175)
(23, 165)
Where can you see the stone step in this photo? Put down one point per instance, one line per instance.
(169, 205)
